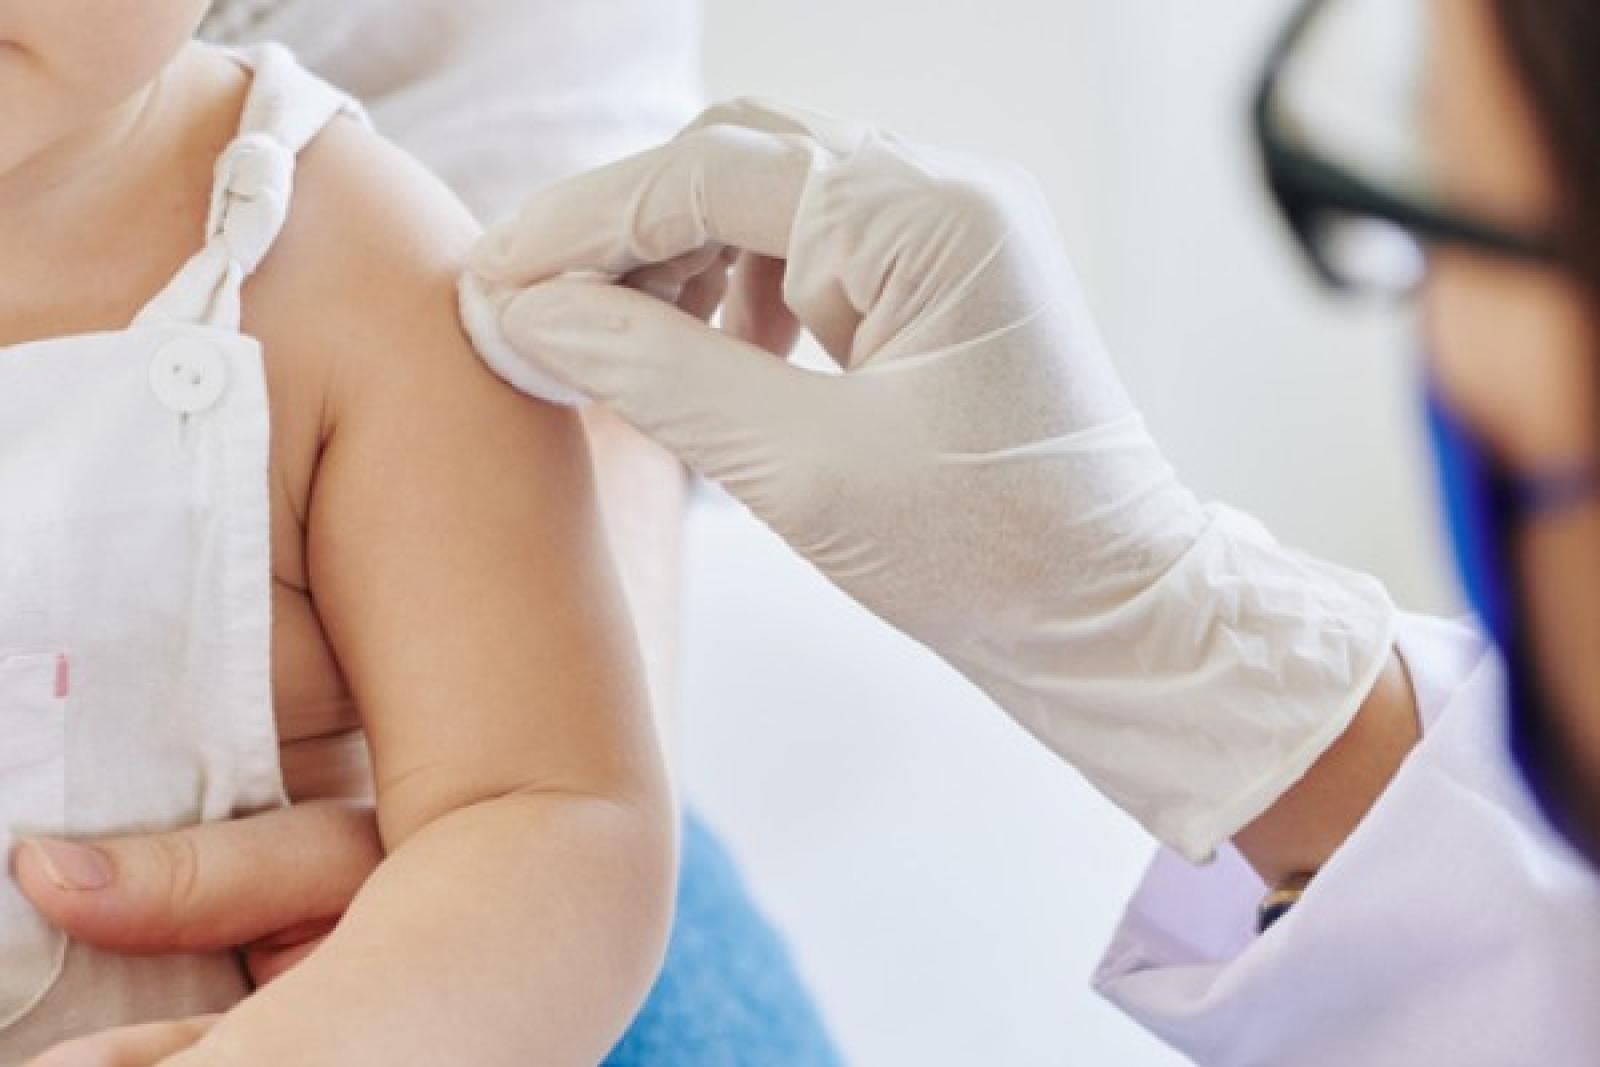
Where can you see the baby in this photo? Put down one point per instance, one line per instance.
(258, 494)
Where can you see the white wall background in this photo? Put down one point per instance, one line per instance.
(949, 887)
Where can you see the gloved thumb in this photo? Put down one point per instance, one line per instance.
(714, 400)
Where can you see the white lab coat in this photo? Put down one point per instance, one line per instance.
(1452, 930)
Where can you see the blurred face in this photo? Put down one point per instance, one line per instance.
(1514, 349)
(67, 66)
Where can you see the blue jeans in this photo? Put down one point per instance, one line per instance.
(729, 995)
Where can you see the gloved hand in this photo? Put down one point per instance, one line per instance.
(977, 475)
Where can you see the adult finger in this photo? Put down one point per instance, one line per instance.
(755, 310)
(206, 887)
(704, 293)
(714, 400)
(269, 962)
(145, 1045)
(726, 185)
(668, 280)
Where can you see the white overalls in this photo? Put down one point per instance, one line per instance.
(135, 583)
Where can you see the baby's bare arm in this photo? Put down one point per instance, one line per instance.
(458, 563)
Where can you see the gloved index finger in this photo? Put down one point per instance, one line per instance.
(836, 135)
(718, 185)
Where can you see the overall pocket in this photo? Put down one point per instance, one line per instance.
(33, 734)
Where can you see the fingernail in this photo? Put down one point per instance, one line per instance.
(77, 868)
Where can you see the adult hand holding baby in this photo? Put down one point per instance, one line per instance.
(274, 884)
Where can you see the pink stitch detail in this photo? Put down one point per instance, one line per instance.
(63, 676)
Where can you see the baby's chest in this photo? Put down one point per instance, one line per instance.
(157, 639)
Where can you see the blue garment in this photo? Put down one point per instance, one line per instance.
(729, 995)
(1490, 506)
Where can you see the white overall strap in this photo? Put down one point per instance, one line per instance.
(286, 108)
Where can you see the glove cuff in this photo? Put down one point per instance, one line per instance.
(1198, 702)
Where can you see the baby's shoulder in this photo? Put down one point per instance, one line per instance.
(364, 273)
(366, 209)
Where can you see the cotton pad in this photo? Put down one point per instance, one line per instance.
(481, 307)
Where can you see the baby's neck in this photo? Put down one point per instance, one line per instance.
(71, 168)
(95, 226)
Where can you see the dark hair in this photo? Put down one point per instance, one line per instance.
(1553, 45)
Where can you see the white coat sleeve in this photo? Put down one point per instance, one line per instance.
(497, 96)
(1452, 928)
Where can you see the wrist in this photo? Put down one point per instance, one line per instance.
(1314, 819)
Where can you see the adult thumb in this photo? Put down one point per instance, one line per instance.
(721, 404)
(204, 888)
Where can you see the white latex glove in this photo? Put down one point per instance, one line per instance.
(976, 475)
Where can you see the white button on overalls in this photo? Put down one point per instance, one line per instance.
(189, 375)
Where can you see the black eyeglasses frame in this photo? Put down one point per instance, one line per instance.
(1309, 188)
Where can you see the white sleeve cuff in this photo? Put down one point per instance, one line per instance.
(1452, 928)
